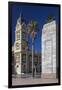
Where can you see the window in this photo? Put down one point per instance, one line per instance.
(23, 47)
(17, 46)
(23, 35)
(36, 60)
(23, 70)
(18, 35)
(17, 56)
(23, 58)
(30, 59)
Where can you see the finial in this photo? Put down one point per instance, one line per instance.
(50, 18)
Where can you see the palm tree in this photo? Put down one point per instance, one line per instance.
(32, 30)
(26, 47)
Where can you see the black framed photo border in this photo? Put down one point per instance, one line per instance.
(13, 77)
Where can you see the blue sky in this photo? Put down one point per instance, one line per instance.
(37, 13)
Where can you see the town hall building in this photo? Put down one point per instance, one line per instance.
(22, 61)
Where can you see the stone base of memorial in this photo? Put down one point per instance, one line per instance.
(48, 75)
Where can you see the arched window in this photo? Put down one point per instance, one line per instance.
(17, 57)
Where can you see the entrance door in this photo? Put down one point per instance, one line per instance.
(48, 57)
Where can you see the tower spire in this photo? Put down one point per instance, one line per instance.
(20, 18)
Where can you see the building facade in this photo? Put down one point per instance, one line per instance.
(22, 53)
(49, 49)
(20, 45)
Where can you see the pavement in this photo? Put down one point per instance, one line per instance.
(31, 80)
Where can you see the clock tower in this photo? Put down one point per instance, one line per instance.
(21, 46)
(17, 46)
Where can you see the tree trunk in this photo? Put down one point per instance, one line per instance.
(32, 55)
(26, 61)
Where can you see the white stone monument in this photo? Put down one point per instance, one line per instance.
(48, 45)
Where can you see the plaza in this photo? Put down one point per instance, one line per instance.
(30, 81)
